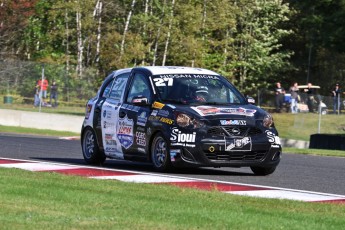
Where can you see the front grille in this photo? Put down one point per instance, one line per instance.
(230, 131)
(237, 156)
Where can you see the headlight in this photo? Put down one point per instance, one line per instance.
(185, 120)
(267, 121)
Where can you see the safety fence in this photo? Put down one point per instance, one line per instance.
(18, 89)
(20, 84)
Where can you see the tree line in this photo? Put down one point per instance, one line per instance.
(254, 43)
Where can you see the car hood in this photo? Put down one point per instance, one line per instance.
(246, 112)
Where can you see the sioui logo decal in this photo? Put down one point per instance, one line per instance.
(233, 122)
(183, 139)
(272, 138)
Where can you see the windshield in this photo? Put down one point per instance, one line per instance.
(196, 89)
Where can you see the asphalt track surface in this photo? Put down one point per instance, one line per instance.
(301, 172)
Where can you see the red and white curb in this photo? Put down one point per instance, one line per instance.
(139, 177)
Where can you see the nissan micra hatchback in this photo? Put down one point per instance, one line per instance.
(178, 117)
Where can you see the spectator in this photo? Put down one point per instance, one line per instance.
(294, 97)
(37, 96)
(43, 84)
(336, 99)
(310, 97)
(54, 94)
(279, 97)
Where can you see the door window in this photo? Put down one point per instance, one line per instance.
(107, 89)
(139, 88)
(119, 87)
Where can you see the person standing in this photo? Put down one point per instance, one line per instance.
(43, 84)
(279, 97)
(336, 92)
(310, 97)
(37, 96)
(54, 94)
(294, 97)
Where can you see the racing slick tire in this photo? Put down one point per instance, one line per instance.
(263, 171)
(160, 155)
(91, 152)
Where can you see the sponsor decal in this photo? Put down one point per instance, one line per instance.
(141, 129)
(174, 153)
(107, 114)
(109, 140)
(142, 119)
(166, 120)
(157, 105)
(154, 112)
(210, 110)
(163, 113)
(131, 107)
(154, 118)
(140, 138)
(233, 122)
(165, 77)
(110, 149)
(182, 139)
(272, 138)
(125, 132)
(244, 144)
(108, 125)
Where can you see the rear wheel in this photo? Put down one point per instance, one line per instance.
(91, 152)
(263, 171)
(160, 154)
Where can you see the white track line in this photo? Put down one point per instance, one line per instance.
(140, 177)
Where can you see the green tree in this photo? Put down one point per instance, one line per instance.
(260, 59)
(318, 42)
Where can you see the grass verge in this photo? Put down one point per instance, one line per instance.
(317, 152)
(32, 200)
(40, 132)
(300, 126)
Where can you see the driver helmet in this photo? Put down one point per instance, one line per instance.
(201, 93)
(201, 89)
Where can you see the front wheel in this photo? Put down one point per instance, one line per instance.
(160, 154)
(91, 152)
(263, 171)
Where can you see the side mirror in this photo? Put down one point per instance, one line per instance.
(251, 100)
(140, 100)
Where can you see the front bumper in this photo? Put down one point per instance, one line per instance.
(228, 152)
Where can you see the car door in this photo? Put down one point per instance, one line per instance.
(134, 114)
(110, 117)
(97, 116)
